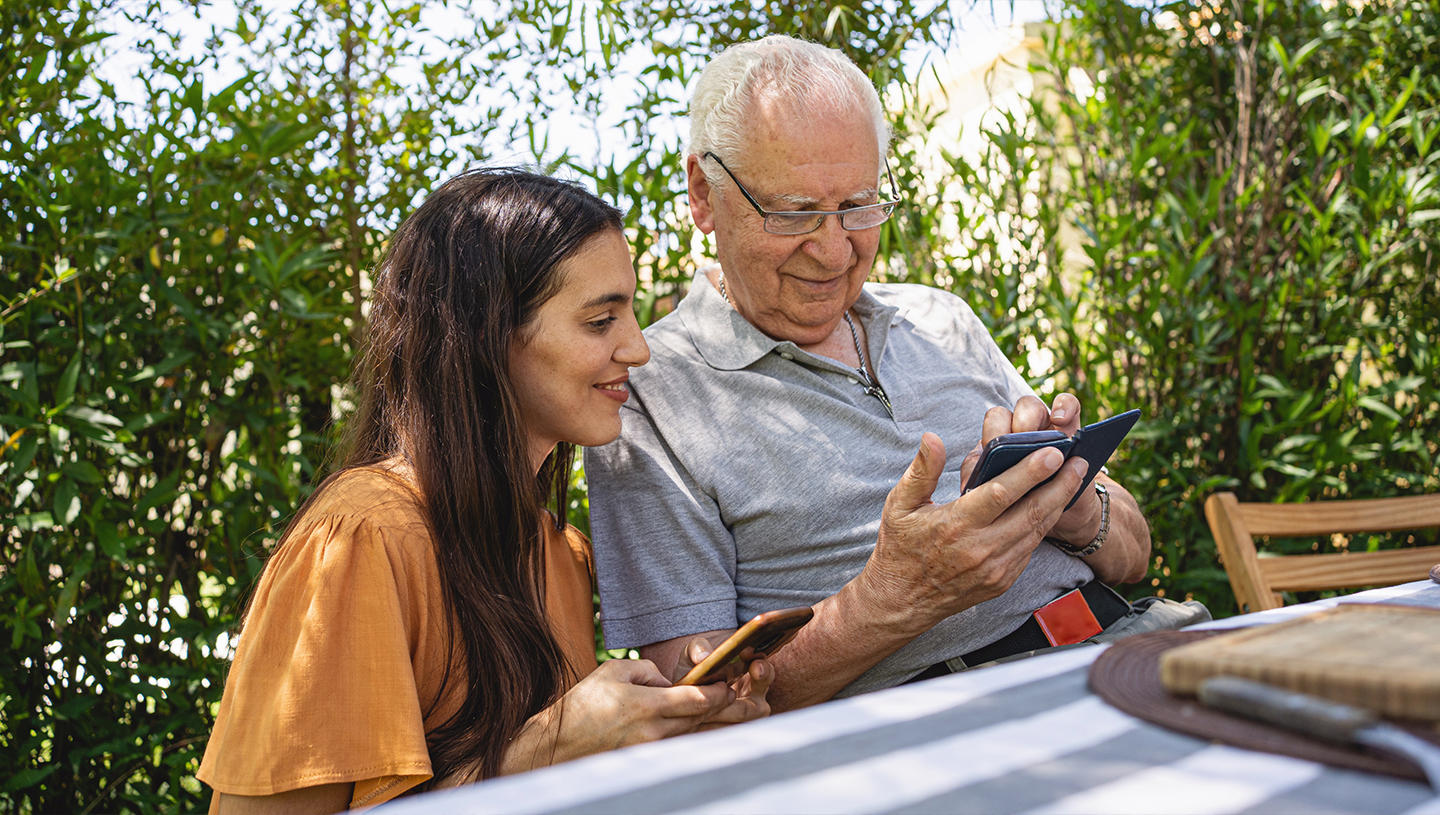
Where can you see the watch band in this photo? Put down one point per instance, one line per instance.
(1094, 545)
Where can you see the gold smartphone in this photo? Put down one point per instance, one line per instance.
(762, 636)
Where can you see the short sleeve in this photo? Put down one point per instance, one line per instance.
(323, 687)
(664, 560)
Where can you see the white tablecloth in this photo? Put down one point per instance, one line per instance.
(1026, 736)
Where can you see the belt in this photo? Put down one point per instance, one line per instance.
(1072, 617)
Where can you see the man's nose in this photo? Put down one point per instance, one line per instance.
(830, 244)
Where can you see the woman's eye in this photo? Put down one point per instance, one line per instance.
(600, 324)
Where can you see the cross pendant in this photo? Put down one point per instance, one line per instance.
(874, 389)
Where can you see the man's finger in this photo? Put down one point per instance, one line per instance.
(640, 672)
(1032, 514)
(697, 649)
(1030, 414)
(1050, 500)
(1065, 413)
(998, 422)
(760, 676)
(967, 465)
(999, 494)
(915, 487)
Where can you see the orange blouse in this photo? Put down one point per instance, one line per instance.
(336, 677)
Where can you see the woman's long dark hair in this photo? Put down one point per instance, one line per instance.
(460, 278)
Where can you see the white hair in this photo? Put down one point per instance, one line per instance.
(802, 76)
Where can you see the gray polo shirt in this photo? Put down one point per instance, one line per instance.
(750, 475)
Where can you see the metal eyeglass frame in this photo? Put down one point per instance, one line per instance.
(886, 207)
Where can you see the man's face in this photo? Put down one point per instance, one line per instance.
(792, 287)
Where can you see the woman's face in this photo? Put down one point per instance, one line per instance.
(572, 361)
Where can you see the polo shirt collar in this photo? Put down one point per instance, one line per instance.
(728, 342)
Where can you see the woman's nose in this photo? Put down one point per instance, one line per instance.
(633, 350)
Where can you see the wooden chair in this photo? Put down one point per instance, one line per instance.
(1258, 581)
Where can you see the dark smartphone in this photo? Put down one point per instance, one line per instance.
(763, 635)
(1094, 443)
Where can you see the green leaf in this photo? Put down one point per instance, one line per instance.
(26, 387)
(145, 421)
(1305, 52)
(172, 360)
(1400, 102)
(1376, 406)
(108, 537)
(91, 416)
(29, 777)
(75, 707)
(1292, 442)
(65, 391)
(82, 471)
(23, 456)
(67, 502)
(195, 95)
(162, 492)
(65, 601)
(35, 521)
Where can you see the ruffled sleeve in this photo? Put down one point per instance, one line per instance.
(323, 688)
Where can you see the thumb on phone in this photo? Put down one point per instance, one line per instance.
(698, 649)
(695, 652)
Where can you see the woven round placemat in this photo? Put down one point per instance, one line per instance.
(1127, 675)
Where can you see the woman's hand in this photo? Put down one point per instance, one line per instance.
(750, 685)
(750, 701)
(620, 703)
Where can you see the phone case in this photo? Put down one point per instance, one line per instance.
(1003, 452)
(1095, 443)
(765, 633)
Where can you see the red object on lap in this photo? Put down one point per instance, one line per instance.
(1067, 619)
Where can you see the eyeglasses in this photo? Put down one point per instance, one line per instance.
(807, 221)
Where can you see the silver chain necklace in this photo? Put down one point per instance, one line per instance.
(872, 384)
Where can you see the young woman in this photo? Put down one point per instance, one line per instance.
(424, 620)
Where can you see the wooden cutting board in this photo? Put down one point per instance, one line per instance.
(1384, 658)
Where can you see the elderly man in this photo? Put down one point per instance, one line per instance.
(757, 465)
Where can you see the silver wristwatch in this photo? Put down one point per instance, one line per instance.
(1094, 545)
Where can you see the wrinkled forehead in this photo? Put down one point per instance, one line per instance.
(788, 130)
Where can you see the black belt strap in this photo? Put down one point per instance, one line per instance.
(1105, 604)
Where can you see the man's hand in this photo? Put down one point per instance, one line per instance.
(750, 691)
(930, 561)
(1126, 552)
(933, 560)
(1081, 522)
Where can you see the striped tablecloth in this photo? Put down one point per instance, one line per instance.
(1020, 737)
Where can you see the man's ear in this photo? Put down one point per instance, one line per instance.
(698, 185)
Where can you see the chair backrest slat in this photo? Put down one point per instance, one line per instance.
(1327, 517)
(1348, 571)
(1257, 581)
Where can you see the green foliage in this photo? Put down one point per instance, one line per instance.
(1229, 225)
(179, 301)
(1254, 189)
